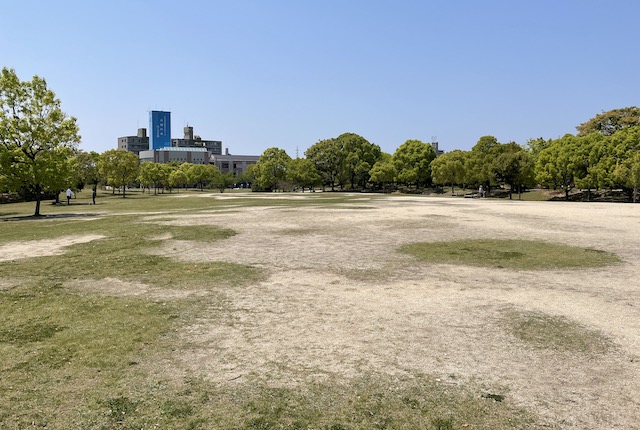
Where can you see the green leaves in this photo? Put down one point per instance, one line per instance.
(36, 137)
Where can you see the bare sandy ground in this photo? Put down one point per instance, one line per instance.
(340, 300)
(41, 248)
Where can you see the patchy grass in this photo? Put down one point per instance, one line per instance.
(555, 333)
(61, 351)
(512, 254)
(122, 254)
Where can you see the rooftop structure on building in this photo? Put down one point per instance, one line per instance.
(434, 145)
(191, 141)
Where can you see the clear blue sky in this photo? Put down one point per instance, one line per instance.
(288, 73)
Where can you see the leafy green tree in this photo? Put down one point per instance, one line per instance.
(36, 137)
(450, 168)
(270, 171)
(413, 162)
(202, 174)
(224, 181)
(86, 169)
(119, 168)
(558, 165)
(155, 174)
(481, 162)
(609, 122)
(588, 153)
(359, 156)
(383, 173)
(628, 174)
(624, 149)
(303, 173)
(535, 146)
(178, 178)
(327, 156)
(513, 166)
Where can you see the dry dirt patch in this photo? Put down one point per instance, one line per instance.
(320, 315)
(41, 248)
(118, 287)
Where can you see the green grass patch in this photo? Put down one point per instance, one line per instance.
(369, 402)
(61, 350)
(556, 333)
(512, 254)
(124, 254)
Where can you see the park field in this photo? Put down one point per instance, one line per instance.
(201, 310)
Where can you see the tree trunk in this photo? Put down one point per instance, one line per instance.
(38, 198)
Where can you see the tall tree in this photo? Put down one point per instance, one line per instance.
(86, 169)
(557, 165)
(327, 156)
(513, 166)
(383, 173)
(450, 168)
(303, 173)
(224, 181)
(202, 174)
(609, 122)
(359, 156)
(481, 161)
(36, 136)
(151, 174)
(119, 168)
(625, 147)
(271, 169)
(178, 178)
(413, 160)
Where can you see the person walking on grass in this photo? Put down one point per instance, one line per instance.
(69, 194)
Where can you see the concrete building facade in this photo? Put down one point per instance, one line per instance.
(181, 155)
(135, 144)
(236, 164)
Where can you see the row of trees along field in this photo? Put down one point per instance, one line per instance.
(39, 157)
(603, 155)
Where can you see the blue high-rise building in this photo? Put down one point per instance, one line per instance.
(160, 129)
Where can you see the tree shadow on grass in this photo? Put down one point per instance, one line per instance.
(46, 217)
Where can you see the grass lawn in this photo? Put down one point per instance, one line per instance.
(509, 254)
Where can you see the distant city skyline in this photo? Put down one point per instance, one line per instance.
(284, 73)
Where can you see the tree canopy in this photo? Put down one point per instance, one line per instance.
(37, 138)
(607, 123)
(271, 169)
(119, 168)
(412, 161)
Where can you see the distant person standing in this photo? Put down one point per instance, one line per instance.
(480, 192)
(93, 196)
(69, 194)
